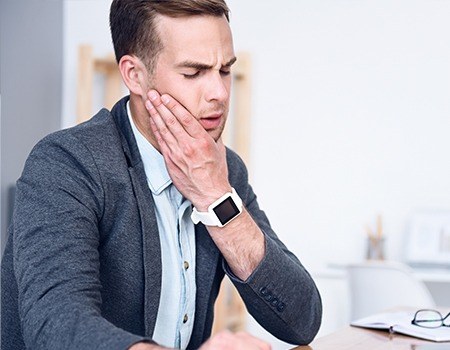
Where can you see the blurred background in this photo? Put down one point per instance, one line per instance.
(350, 121)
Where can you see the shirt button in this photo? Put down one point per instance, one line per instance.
(185, 318)
(186, 265)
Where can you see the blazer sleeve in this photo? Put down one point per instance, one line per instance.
(280, 294)
(56, 260)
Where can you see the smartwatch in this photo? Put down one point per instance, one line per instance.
(221, 212)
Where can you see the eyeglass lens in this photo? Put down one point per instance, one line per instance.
(431, 319)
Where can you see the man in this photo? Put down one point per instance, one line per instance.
(124, 226)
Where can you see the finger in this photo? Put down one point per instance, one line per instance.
(186, 119)
(159, 125)
(220, 144)
(221, 147)
(171, 120)
(156, 133)
(164, 148)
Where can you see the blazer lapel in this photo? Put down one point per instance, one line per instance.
(151, 249)
(151, 246)
(208, 272)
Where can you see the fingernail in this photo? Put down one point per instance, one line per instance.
(152, 95)
(165, 99)
(149, 105)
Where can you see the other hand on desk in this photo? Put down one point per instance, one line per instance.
(224, 340)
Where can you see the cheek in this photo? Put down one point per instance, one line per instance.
(190, 98)
(188, 95)
(183, 90)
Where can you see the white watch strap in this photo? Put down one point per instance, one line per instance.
(209, 218)
(205, 218)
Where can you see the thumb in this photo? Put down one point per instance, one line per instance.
(221, 147)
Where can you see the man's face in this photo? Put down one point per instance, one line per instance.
(194, 67)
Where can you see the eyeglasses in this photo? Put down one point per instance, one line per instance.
(430, 319)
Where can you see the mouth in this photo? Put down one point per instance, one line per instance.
(212, 121)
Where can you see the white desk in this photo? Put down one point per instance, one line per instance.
(354, 338)
(436, 279)
(432, 275)
(333, 286)
(426, 275)
(438, 283)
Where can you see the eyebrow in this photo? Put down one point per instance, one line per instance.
(202, 66)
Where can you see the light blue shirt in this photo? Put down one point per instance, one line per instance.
(176, 312)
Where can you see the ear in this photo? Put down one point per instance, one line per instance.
(134, 74)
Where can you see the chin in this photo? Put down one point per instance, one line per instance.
(216, 134)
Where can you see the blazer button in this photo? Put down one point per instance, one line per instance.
(281, 306)
(274, 302)
(263, 290)
(268, 297)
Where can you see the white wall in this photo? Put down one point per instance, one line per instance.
(350, 115)
(350, 112)
(85, 22)
(31, 66)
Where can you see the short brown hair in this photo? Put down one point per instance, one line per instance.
(133, 28)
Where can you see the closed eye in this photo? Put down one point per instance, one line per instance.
(192, 76)
(197, 74)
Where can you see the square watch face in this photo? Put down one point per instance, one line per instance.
(226, 210)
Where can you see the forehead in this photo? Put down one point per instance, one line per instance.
(206, 39)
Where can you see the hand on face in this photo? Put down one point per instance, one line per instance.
(195, 162)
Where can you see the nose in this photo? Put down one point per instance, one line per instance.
(218, 88)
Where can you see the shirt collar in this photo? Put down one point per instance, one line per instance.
(155, 168)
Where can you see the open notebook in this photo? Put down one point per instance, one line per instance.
(400, 322)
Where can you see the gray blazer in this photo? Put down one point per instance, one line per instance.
(82, 266)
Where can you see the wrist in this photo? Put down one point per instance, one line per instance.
(202, 204)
